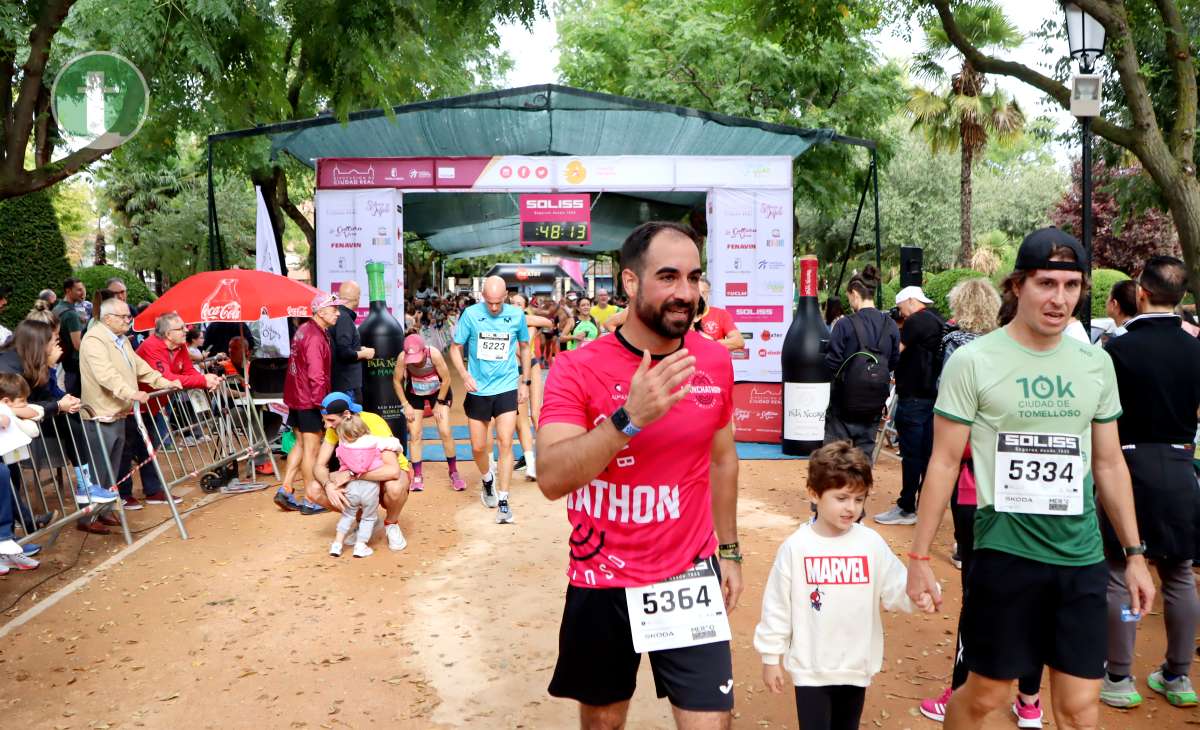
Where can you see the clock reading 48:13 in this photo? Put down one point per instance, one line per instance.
(567, 232)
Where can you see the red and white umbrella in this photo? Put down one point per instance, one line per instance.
(236, 295)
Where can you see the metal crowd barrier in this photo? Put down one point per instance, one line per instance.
(188, 434)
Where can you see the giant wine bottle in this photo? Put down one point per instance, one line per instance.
(805, 380)
(381, 331)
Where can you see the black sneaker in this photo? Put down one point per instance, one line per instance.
(520, 464)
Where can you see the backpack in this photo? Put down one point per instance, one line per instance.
(863, 382)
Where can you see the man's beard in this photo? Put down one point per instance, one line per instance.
(656, 320)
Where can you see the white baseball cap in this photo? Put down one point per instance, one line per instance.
(912, 292)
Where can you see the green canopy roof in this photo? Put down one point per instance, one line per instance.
(534, 120)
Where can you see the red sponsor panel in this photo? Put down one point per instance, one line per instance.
(555, 219)
(758, 412)
(756, 313)
(459, 172)
(737, 289)
(347, 173)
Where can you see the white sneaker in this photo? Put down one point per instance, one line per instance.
(362, 550)
(336, 549)
(896, 516)
(504, 515)
(395, 537)
(531, 466)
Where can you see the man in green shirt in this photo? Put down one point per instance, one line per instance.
(70, 333)
(1040, 413)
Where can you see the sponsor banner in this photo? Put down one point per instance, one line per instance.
(630, 172)
(374, 172)
(758, 412)
(511, 172)
(273, 338)
(355, 227)
(555, 219)
(459, 172)
(744, 314)
(734, 172)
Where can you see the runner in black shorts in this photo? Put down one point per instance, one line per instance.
(652, 569)
(422, 378)
(1040, 412)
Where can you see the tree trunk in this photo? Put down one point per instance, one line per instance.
(965, 246)
(1183, 198)
(99, 255)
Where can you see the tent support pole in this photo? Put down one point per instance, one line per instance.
(862, 199)
(875, 186)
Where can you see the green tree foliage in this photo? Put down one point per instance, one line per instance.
(962, 113)
(714, 55)
(32, 252)
(95, 277)
(1102, 284)
(937, 287)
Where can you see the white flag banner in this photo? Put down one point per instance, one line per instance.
(273, 338)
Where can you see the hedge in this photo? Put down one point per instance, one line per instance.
(938, 286)
(33, 255)
(1102, 284)
(95, 277)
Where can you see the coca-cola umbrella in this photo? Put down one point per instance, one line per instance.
(236, 295)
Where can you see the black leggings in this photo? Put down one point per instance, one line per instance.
(964, 534)
(831, 707)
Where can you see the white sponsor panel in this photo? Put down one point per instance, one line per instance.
(734, 172)
(357, 227)
(630, 172)
(273, 338)
(514, 172)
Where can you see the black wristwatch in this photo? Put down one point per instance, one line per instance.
(528, 382)
(620, 421)
(1135, 550)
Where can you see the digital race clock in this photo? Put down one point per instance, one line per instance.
(556, 219)
(566, 233)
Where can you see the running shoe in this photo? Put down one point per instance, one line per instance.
(30, 549)
(362, 550)
(161, 498)
(395, 537)
(1028, 716)
(94, 528)
(20, 561)
(335, 548)
(311, 508)
(531, 468)
(131, 504)
(3, 569)
(92, 494)
(896, 516)
(488, 494)
(519, 464)
(418, 484)
(935, 709)
(1121, 694)
(1178, 691)
(504, 515)
(286, 500)
(457, 483)
(956, 560)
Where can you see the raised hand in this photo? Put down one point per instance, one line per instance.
(654, 390)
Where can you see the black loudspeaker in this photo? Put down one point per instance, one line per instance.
(911, 260)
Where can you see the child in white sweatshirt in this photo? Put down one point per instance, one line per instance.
(820, 611)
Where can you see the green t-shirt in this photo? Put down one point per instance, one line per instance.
(998, 386)
(585, 329)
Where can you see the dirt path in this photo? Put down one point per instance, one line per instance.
(252, 624)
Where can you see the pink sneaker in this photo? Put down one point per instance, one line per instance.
(418, 484)
(936, 709)
(457, 482)
(1028, 716)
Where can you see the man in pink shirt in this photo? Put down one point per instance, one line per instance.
(642, 421)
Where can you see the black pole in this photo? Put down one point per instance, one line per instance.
(875, 190)
(212, 214)
(1086, 223)
(853, 231)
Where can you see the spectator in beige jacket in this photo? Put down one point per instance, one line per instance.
(110, 371)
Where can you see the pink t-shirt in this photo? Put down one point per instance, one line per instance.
(716, 323)
(365, 454)
(648, 515)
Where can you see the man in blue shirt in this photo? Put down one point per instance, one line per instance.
(492, 333)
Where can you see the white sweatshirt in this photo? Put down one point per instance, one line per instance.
(821, 606)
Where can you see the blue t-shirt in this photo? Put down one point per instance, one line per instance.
(491, 346)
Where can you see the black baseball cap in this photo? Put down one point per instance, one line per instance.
(1035, 251)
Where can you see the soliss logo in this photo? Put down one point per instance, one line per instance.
(544, 204)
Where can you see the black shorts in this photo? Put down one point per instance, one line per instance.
(1020, 614)
(421, 402)
(306, 420)
(486, 407)
(598, 666)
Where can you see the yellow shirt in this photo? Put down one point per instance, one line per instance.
(601, 314)
(377, 427)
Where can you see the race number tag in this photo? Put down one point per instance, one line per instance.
(426, 387)
(492, 346)
(1039, 474)
(687, 610)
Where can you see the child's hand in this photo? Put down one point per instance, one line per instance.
(773, 678)
(925, 603)
(4, 421)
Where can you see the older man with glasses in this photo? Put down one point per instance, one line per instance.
(165, 350)
(111, 372)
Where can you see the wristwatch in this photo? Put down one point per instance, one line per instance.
(1135, 550)
(528, 382)
(620, 421)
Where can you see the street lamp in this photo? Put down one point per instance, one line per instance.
(1085, 35)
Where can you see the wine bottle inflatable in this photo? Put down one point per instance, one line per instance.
(385, 335)
(805, 380)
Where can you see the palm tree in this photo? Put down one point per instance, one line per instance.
(963, 114)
